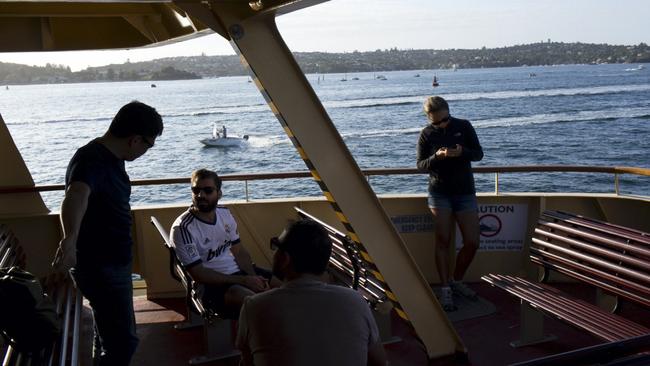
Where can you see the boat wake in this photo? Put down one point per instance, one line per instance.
(565, 117)
(508, 94)
(535, 119)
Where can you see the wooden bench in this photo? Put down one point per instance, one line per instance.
(348, 268)
(614, 259)
(11, 254)
(68, 301)
(631, 351)
(218, 332)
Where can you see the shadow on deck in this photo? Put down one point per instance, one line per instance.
(486, 337)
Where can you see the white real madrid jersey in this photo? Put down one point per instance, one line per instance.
(197, 241)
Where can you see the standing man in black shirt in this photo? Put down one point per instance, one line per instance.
(96, 220)
(446, 148)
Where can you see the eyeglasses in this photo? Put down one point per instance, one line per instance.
(206, 190)
(439, 122)
(146, 141)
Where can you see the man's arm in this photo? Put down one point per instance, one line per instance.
(73, 209)
(245, 263)
(243, 258)
(205, 275)
(201, 274)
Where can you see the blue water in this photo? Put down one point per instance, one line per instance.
(576, 115)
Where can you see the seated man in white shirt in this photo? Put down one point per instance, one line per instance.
(208, 246)
(307, 321)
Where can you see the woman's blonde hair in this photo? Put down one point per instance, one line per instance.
(435, 104)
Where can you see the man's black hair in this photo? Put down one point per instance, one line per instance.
(309, 246)
(205, 173)
(136, 118)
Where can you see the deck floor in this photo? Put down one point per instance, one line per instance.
(487, 337)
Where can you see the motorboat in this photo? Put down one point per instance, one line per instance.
(401, 251)
(638, 68)
(230, 141)
(221, 138)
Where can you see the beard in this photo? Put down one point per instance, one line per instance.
(204, 205)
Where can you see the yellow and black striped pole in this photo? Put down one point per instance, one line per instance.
(287, 91)
(339, 213)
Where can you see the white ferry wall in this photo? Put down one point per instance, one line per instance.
(261, 219)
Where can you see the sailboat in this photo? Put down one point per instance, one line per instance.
(435, 81)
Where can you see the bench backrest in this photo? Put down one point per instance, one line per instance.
(612, 257)
(11, 254)
(347, 266)
(179, 273)
(68, 304)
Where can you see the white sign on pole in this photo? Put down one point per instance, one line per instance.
(503, 227)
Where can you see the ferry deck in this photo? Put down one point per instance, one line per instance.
(392, 228)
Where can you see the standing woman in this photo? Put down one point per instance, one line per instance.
(446, 148)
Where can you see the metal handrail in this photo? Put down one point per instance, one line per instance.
(617, 170)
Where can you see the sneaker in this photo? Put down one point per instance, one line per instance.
(447, 299)
(461, 289)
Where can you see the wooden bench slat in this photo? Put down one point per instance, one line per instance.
(606, 286)
(551, 301)
(548, 302)
(350, 268)
(627, 247)
(609, 257)
(7, 245)
(596, 261)
(607, 253)
(600, 354)
(582, 312)
(600, 226)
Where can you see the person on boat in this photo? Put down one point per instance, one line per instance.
(446, 147)
(307, 321)
(223, 129)
(208, 245)
(215, 131)
(96, 218)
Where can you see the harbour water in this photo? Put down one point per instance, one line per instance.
(572, 115)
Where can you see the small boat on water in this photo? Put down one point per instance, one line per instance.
(435, 81)
(638, 68)
(221, 138)
(230, 141)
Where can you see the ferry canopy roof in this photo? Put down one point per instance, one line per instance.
(32, 26)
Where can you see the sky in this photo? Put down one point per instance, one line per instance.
(368, 25)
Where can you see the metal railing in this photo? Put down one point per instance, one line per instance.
(496, 170)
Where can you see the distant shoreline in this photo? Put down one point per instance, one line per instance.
(200, 67)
